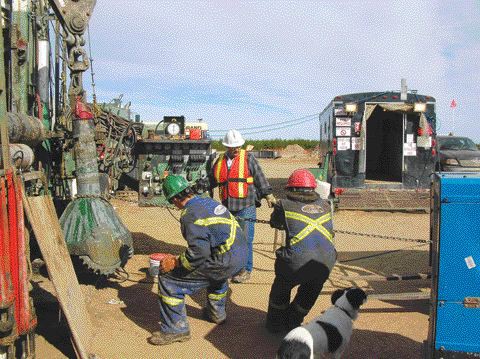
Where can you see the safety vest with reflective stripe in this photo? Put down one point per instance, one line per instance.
(233, 182)
(232, 222)
(307, 221)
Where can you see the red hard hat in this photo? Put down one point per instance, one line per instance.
(302, 178)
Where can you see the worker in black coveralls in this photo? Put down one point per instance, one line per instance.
(308, 255)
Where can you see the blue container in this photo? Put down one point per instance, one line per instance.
(454, 330)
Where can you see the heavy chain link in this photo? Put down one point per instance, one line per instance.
(263, 221)
(371, 235)
(360, 234)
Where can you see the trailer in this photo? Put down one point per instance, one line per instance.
(377, 149)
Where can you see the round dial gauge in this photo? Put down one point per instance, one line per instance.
(173, 129)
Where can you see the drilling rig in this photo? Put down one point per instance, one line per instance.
(49, 146)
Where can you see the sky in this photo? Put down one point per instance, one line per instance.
(244, 64)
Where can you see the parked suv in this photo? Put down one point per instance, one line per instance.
(457, 154)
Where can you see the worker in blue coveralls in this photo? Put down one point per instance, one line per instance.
(217, 249)
(308, 256)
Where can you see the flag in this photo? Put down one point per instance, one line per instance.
(453, 104)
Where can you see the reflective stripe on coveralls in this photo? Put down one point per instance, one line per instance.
(311, 226)
(210, 221)
(170, 300)
(215, 296)
(185, 262)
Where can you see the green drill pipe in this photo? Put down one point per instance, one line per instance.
(91, 227)
(21, 55)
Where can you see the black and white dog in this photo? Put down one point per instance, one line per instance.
(328, 333)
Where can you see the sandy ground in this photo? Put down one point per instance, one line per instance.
(125, 313)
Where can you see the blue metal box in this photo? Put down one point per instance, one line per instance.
(454, 330)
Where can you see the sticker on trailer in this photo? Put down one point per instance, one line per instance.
(343, 143)
(343, 131)
(423, 141)
(470, 262)
(343, 121)
(410, 138)
(409, 149)
(340, 112)
(358, 126)
(356, 143)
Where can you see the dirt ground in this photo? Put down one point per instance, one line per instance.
(125, 313)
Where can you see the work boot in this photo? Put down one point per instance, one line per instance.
(161, 338)
(295, 317)
(276, 321)
(212, 318)
(242, 276)
(273, 327)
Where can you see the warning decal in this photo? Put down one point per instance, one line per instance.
(343, 143)
(343, 131)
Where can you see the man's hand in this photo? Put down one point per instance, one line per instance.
(168, 264)
(271, 200)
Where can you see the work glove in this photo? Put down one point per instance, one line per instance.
(168, 264)
(201, 186)
(271, 200)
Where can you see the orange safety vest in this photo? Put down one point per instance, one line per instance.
(233, 182)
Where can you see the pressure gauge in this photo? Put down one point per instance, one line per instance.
(173, 129)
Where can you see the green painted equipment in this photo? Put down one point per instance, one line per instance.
(171, 147)
(94, 232)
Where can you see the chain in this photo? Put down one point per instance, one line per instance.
(77, 63)
(252, 220)
(371, 235)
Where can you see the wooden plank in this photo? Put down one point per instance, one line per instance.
(43, 219)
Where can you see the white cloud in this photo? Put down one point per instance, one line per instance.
(263, 61)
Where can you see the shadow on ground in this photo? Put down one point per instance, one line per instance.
(51, 324)
(145, 244)
(141, 303)
(243, 335)
(380, 345)
(386, 263)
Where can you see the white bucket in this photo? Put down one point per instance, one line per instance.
(155, 260)
(153, 269)
(323, 189)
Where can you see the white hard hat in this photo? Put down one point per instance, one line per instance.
(233, 138)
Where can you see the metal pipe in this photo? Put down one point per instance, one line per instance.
(43, 70)
(88, 180)
(25, 129)
(5, 159)
(21, 55)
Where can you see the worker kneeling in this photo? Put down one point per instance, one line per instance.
(217, 249)
(308, 255)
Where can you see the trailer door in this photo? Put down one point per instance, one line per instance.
(384, 145)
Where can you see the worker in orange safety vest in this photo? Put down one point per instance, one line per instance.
(242, 184)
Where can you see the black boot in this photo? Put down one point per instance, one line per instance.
(295, 316)
(276, 320)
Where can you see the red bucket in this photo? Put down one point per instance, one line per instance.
(155, 259)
